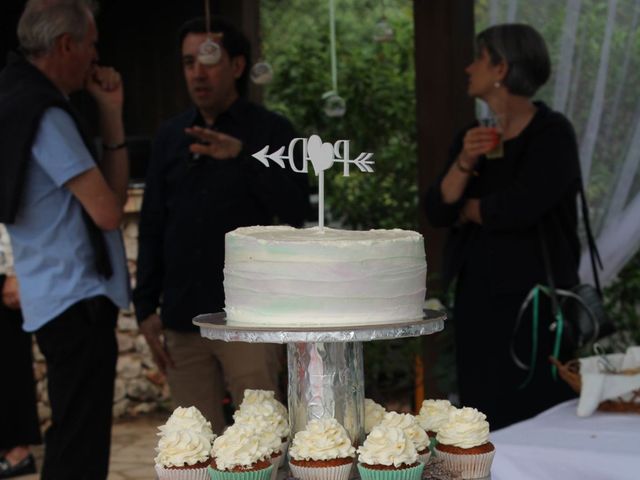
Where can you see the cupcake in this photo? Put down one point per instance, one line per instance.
(260, 410)
(240, 454)
(322, 451)
(409, 424)
(433, 414)
(389, 454)
(463, 443)
(373, 413)
(184, 448)
(269, 442)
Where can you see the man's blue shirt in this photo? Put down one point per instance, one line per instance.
(53, 257)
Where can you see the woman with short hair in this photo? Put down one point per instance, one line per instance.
(495, 204)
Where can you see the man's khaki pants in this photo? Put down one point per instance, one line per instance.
(205, 369)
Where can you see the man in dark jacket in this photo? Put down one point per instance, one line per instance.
(201, 184)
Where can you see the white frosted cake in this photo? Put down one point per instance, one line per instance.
(280, 275)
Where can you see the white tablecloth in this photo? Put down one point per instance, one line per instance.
(557, 444)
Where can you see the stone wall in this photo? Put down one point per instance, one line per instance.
(139, 386)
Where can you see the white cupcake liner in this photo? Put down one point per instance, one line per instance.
(182, 474)
(276, 462)
(339, 472)
(470, 466)
(424, 457)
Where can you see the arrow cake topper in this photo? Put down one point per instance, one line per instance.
(322, 156)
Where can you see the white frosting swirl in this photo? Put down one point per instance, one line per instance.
(466, 428)
(322, 439)
(269, 440)
(388, 446)
(264, 416)
(434, 413)
(409, 424)
(373, 413)
(182, 447)
(257, 397)
(238, 446)
(187, 419)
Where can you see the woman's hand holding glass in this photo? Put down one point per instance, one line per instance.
(477, 141)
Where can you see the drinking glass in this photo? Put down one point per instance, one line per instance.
(492, 122)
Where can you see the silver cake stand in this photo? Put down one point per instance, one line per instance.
(325, 364)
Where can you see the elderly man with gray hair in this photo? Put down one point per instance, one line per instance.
(62, 209)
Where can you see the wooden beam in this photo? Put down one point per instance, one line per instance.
(443, 48)
(245, 15)
(444, 32)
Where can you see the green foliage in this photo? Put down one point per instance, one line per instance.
(377, 80)
(621, 301)
(389, 366)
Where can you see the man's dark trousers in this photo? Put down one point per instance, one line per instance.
(81, 351)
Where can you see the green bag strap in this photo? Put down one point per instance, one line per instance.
(534, 298)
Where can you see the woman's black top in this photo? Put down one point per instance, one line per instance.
(534, 184)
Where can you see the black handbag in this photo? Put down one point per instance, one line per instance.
(580, 309)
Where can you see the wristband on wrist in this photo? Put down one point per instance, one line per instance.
(110, 147)
(464, 169)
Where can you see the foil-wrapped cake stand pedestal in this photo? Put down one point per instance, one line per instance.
(325, 364)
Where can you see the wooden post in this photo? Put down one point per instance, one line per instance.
(246, 16)
(444, 31)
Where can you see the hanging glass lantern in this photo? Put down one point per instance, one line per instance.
(261, 73)
(333, 104)
(382, 31)
(209, 52)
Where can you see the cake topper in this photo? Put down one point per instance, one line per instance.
(322, 156)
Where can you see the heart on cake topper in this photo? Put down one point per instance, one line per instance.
(320, 154)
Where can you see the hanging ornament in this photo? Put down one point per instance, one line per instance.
(261, 73)
(209, 51)
(333, 104)
(382, 31)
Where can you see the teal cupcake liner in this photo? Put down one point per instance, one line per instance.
(263, 474)
(413, 473)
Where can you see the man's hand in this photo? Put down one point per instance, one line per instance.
(214, 144)
(105, 85)
(11, 293)
(151, 328)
